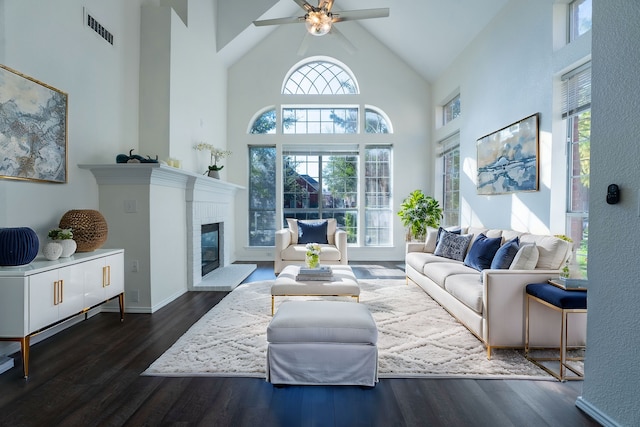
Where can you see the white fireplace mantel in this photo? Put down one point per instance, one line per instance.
(156, 174)
(187, 200)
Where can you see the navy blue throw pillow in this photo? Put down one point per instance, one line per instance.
(505, 255)
(312, 232)
(482, 252)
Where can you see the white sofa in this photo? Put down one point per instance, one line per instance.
(491, 302)
(289, 252)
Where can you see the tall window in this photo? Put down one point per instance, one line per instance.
(451, 110)
(262, 195)
(579, 18)
(377, 196)
(449, 152)
(322, 183)
(576, 91)
(346, 181)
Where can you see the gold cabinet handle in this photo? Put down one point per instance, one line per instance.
(55, 292)
(106, 276)
(61, 292)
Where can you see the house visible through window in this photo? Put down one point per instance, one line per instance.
(576, 91)
(337, 179)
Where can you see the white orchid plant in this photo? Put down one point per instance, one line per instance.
(216, 154)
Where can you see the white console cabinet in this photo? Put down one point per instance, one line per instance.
(44, 293)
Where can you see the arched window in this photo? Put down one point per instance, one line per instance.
(265, 122)
(322, 180)
(320, 77)
(375, 121)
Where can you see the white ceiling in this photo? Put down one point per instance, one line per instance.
(427, 34)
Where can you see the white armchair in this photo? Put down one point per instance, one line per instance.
(289, 251)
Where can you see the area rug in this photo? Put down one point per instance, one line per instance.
(417, 338)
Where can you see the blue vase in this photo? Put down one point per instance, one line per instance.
(18, 246)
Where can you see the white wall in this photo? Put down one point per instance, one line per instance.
(48, 41)
(385, 82)
(611, 383)
(507, 73)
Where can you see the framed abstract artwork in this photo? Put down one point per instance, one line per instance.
(33, 129)
(508, 158)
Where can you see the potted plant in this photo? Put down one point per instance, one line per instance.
(418, 212)
(216, 154)
(64, 236)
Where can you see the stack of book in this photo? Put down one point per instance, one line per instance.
(570, 284)
(322, 273)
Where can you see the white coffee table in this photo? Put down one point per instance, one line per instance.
(343, 283)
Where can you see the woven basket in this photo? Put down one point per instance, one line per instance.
(89, 228)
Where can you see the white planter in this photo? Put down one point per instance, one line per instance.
(69, 247)
(52, 251)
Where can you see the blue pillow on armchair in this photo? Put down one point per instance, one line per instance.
(312, 232)
(482, 252)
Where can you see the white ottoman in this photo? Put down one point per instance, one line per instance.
(344, 283)
(322, 342)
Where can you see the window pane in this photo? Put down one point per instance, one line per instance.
(578, 231)
(579, 127)
(262, 196)
(579, 18)
(451, 187)
(323, 185)
(266, 123)
(451, 110)
(378, 214)
(320, 78)
(319, 120)
(374, 122)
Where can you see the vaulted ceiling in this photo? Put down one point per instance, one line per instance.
(427, 34)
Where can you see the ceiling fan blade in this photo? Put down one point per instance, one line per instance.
(303, 4)
(304, 45)
(326, 4)
(278, 21)
(352, 15)
(348, 46)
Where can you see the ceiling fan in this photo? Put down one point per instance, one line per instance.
(319, 19)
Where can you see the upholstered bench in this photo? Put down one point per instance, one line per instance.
(322, 342)
(343, 283)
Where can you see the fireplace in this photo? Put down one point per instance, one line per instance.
(210, 244)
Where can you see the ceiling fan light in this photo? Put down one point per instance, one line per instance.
(318, 23)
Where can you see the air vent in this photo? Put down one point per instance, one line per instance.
(96, 26)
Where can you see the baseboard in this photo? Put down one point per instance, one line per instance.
(595, 413)
(6, 363)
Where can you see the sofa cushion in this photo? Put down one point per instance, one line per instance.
(452, 245)
(505, 255)
(466, 288)
(526, 258)
(312, 232)
(482, 252)
(438, 272)
(552, 251)
(418, 260)
(431, 240)
(298, 252)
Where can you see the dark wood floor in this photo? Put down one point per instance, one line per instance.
(89, 375)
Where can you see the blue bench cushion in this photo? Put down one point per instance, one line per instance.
(557, 296)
